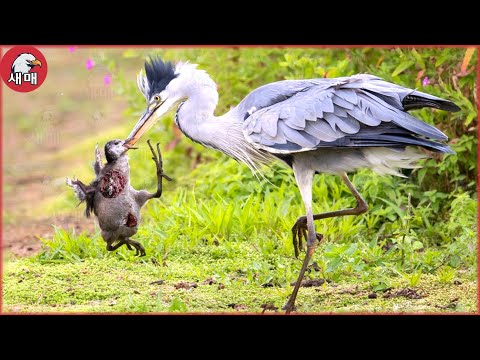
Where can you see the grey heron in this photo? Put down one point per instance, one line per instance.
(325, 125)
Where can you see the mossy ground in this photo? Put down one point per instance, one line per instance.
(110, 284)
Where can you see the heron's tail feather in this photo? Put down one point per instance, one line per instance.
(388, 160)
(394, 140)
(418, 100)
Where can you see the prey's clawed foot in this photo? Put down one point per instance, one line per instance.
(158, 160)
(98, 157)
(139, 249)
(299, 233)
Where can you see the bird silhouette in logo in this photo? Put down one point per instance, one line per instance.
(24, 63)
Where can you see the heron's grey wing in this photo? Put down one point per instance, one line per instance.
(349, 111)
(273, 93)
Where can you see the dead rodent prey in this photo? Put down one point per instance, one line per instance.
(115, 203)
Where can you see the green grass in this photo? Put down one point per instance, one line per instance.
(239, 236)
(112, 284)
(217, 221)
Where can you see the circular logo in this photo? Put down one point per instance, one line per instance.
(23, 68)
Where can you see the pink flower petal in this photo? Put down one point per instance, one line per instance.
(72, 49)
(107, 79)
(90, 64)
(425, 81)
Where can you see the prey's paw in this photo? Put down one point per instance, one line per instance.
(158, 160)
(71, 182)
(98, 157)
(154, 157)
(140, 251)
(165, 176)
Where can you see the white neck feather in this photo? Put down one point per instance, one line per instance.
(196, 119)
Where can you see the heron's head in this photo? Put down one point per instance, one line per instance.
(164, 85)
(25, 62)
(114, 149)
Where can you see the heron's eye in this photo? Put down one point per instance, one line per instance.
(156, 98)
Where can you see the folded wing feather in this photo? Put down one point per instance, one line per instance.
(316, 113)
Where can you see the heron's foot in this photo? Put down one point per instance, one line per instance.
(139, 249)
(299, 234)
(311, 246)
(289, 306)
(158, 161)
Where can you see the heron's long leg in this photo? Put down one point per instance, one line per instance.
(304, 179)
(298, 229)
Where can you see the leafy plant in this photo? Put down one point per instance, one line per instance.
(446, 274)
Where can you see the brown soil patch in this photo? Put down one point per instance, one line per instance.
(23, 239)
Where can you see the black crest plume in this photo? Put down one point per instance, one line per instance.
(159, 74)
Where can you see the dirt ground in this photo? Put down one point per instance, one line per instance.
(71, 105)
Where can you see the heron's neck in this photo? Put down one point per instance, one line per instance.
(202, 98)
(195, 118)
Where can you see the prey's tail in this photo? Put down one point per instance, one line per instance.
(83, 193)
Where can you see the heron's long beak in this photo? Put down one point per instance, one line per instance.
(35, 62)
(146, 121)
(129, 147)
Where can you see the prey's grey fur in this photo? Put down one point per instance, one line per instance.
(115, 203)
